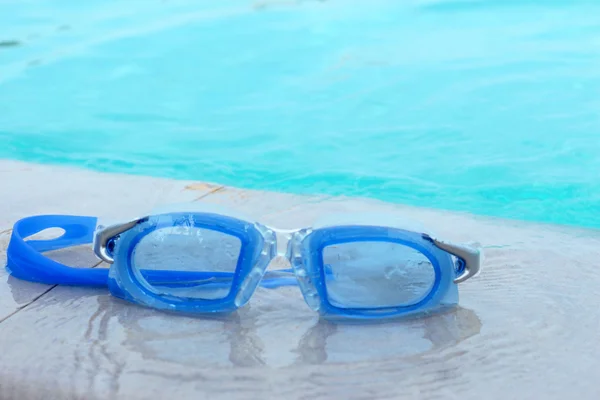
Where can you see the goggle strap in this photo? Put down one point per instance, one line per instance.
(26, 261)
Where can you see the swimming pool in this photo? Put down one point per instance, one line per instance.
(490, 107)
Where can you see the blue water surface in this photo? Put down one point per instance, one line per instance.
(490, 106)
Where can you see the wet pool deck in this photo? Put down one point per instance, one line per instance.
(527, 327)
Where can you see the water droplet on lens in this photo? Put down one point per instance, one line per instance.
(301, 273)
(389, 272)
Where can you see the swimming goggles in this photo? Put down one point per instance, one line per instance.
(202, 262)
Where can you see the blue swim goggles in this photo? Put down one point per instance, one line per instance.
(202, 262)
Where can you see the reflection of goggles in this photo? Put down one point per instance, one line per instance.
(205, 262)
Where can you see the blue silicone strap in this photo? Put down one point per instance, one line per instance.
(25, 261)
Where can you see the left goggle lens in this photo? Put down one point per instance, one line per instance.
(187, 262)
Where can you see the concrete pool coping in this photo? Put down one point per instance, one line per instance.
(526, 327)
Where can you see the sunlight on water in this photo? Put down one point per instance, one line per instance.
(489, 106)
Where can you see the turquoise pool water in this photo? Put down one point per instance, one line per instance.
(491, 107)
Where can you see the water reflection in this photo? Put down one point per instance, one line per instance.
(330, 342)
(247, 339)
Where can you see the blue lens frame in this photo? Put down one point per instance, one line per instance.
(305, 247)
(307, 261)
(124, 280)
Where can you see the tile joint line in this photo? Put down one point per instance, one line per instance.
(28, 304)
(38, 297)
(213, 191)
